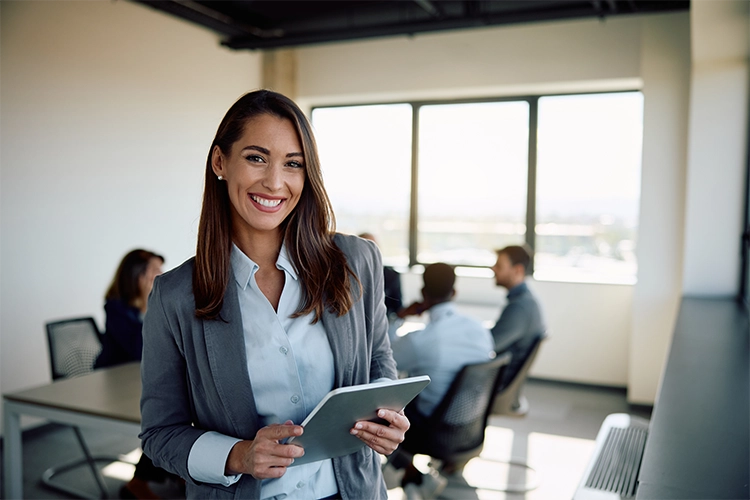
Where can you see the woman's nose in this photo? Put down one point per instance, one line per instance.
(273, 178)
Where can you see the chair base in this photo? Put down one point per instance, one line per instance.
(457, 468)
(49, 474)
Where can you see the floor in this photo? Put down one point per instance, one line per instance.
(555, 438)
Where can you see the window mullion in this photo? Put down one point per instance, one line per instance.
(413, 209)
(531, 185)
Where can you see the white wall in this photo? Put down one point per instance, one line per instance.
(543, 57)
(717, 156)
(665, 68)
(108, 111)
(592, 326)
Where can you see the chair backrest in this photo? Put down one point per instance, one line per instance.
(509, 391)
(457, 425)
(74, 345)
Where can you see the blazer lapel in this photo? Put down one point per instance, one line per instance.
(339, 330)
(225, 345)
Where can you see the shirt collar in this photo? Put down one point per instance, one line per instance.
(442, 310)
(518, 289)
(243, 267)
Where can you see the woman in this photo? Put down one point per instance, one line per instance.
(125, 304)
(275, 310)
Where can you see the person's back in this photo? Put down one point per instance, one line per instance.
(449, 342)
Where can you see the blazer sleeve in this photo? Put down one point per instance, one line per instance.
(167, 433)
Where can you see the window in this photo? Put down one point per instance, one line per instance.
(588, 187)
(453, 181)
(473, 164)
(365, 153)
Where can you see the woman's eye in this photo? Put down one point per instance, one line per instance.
(294, 164)
(254, 158)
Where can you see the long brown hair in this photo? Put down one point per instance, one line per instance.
(308, 230)
(125, 284)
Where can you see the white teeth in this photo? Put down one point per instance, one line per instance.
(265, 202)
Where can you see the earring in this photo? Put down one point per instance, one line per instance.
(221, 177)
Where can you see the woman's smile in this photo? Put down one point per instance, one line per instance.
(266, 204)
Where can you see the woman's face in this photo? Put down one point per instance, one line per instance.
(264, 172)
(146, 280)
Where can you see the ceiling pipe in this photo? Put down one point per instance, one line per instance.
(429, 7)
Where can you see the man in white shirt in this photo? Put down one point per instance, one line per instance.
(450, 341)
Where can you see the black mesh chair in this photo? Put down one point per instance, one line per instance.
(455, 432)
(74, 345)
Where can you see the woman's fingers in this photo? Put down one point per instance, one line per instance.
(268, 458)
(381, 438)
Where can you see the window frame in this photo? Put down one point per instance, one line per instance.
(417, 104)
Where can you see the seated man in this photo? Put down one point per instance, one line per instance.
(449, 342)
(521, 322)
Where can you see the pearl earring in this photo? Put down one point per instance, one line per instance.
(221, 177)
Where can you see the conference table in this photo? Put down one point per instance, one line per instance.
(106, 399)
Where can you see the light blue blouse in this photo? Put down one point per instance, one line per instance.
(291, 369)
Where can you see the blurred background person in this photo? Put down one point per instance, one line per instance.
(125, 304)
(450, 341)
(521, 321)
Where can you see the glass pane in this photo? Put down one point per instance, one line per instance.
(588, 187)
(473, 164)
(365, 152)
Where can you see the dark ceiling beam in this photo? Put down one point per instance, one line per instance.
(211, 18)
(471, 7)
(239, 34)
(411, 28)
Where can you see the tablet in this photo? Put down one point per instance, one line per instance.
(327, 426)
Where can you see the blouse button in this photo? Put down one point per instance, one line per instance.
(283, 350)
(294, 399)
(300, 485)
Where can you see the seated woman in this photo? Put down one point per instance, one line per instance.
(122, 342)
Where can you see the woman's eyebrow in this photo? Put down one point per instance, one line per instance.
(258, 148)
(268, 152)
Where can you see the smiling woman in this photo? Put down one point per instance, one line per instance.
(274, 311)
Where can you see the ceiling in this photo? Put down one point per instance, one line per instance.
(268, 24)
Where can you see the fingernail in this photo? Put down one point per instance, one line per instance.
(292, 462)
(358, 426)
(381, 413)
(353, 432)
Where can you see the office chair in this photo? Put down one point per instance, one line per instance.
(74, 345)
(509, 399)
(455, 432)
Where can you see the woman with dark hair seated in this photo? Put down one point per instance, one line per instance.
(125, 304)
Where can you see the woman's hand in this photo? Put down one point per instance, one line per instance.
(383, 438)
(265, 457)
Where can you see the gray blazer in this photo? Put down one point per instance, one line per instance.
(195, 375)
